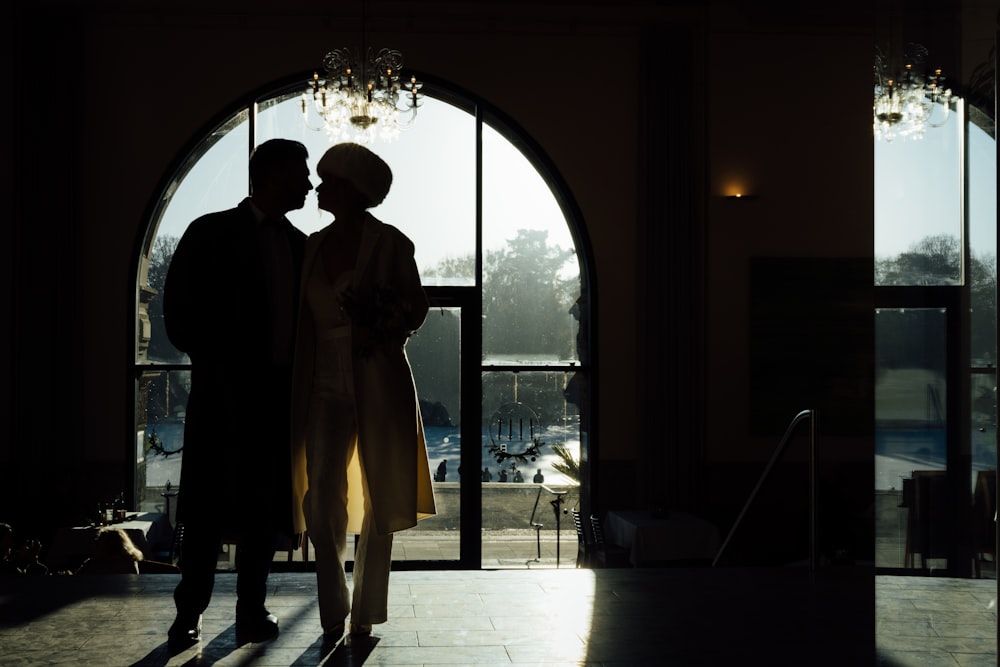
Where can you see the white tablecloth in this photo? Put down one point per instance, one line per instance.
(649, 539)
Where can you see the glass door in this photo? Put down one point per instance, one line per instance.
(924, 482)
(911, 439)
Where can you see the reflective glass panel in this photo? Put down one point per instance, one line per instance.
(531, 277)
(982, 211)
(910, 437)
(213, 178)
(982, 246)
(435, 354)
(529, 468)
(162, 405)
(918, 207)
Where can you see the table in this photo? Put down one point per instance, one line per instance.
(651, 540)
(71, 545)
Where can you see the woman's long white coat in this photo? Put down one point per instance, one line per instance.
(390, 429)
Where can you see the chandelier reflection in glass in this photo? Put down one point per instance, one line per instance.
(907, 99)
(361, 100)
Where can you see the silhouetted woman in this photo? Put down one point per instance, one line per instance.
(359, 457)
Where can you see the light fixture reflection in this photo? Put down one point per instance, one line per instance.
(907, 99)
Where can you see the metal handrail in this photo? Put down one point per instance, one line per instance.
(811, 416)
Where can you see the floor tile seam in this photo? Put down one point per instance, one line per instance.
(967, 618)
(945, 633)
(942, 610)
(972, 653)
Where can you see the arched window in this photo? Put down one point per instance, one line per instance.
(935, 250)
(502, 363)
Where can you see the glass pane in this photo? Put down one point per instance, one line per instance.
(910, 441)
(433, 194)
(984, 427)
(531, 277)
(435, 356)
(983, 245)
(531, 455)
(162, 405)
(918, 207)
(153, 344)
(982, 211)
(213, 178)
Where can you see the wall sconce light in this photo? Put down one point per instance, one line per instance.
(737, 184)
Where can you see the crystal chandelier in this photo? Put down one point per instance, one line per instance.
(907, 100)
(361, 100)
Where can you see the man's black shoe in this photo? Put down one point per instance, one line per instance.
(185, 631)
(256, 629)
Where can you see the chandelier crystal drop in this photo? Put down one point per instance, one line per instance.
(907, 99)
(361, 100)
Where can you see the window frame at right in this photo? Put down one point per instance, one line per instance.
(954, 275)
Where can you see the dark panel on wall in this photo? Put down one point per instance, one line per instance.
(811, 333)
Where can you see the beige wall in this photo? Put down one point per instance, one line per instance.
(790, 121)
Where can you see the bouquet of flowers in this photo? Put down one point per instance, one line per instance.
(377, 315)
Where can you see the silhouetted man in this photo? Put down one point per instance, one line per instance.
(229, 302)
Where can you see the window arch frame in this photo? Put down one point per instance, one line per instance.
(243, 110)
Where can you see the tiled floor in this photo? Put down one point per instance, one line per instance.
(936, 621)
(563, 616)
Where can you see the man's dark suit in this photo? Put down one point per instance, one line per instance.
(220, 308)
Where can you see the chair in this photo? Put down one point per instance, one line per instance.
(176, 543)
(984, 518)
(584, 548)
(169, 553)
(538, 530)
(608, 555)
(928, 520)
(291, 544)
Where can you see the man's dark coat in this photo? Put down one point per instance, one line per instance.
(217, 309)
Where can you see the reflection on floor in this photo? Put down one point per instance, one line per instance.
(936, 621)
(560, 616)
